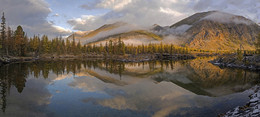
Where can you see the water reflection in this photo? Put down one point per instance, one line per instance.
(109, 88)
(203, 78)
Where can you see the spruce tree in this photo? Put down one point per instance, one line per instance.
(123, 48)
(110, 47)
(45, 44)
(257, 44)
(9, 41)
(68, 46)
(73, 45)
(3, 35)
(19, 40)
(78, 49)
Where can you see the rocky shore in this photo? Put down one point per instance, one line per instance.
(150, 57)
(251, 109)
(12, 59)
(122, 58)
(247, 62)
(8, 59)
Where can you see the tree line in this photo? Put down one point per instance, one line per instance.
(17, 43)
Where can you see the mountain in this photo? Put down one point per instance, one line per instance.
(79, 34)
(130, 34)
(89, 34)
(214, 30)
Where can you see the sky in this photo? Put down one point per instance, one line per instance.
(62, 17)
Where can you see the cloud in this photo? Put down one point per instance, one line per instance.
(31, 15)
(32, 102)
(170, 11)
(163, 12)
(247, 8)
(226, 18)
(113, 4)
(55, 15)
(84, 22)
(61, 29)
(106, 4)
(143, 13)
(121, 29)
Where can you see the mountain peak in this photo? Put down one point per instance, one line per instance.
(217, 30)
(216, 16)
(157, 27)
(223, 17)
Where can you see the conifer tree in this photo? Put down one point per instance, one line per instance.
(101, 48)
(19, 40)
(106, 48)
(119, 46)
(73, 44)
(110, 47)
(78, 48)
(45, 44)
(84, 49)
(123, 48)
(68, 46)
(24, 45)
(3, 35)
(9, 40)
(257, 44)
(63, 46)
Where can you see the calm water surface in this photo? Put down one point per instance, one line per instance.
(77, 88)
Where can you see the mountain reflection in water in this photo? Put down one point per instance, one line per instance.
(108, 88)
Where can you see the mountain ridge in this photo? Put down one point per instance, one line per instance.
(212, 30)
(205, 31)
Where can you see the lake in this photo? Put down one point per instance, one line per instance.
(90, 88)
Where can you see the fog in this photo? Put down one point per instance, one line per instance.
(173, 31)
(121, 29)
(227, 18)
(169, 35)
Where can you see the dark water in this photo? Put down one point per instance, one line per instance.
(77, 88)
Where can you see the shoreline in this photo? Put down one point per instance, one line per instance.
(121, 58)
(251, 109)
(251, 63)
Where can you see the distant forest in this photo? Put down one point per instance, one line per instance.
(17, 43)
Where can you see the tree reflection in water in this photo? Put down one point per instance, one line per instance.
(201, 76)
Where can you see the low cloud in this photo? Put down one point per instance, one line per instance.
(163, 12)
(121, 29)
(143, 13)
(227, 18)
(32, 14)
